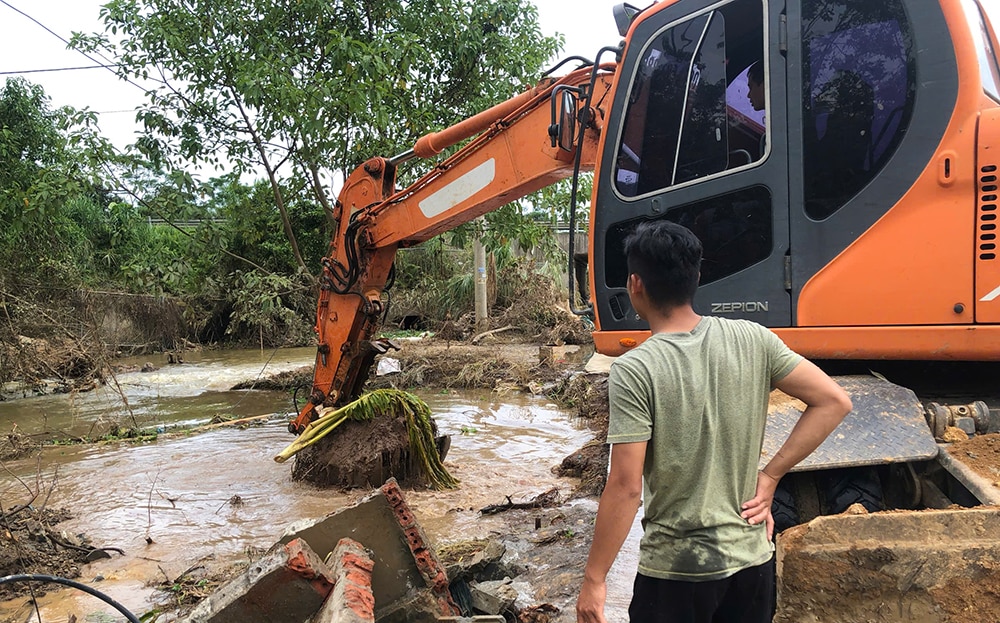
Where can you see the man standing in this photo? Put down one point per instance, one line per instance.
(687, 415)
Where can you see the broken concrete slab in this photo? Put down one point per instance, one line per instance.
(930, 566)
(352, 600)
(290, 583)
(480, 564)
(493, 597)
(404, 562)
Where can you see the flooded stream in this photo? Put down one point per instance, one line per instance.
(179, 491)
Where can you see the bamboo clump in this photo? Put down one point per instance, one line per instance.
(382, 402)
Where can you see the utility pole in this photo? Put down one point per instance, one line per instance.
(479, 257)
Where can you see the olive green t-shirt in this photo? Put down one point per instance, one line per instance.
(700, 401)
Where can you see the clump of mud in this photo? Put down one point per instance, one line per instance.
(587, 394)
(590, 465)
(362, 454)
(29, 544)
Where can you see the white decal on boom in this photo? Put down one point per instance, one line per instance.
(992, 295)
(459, 190)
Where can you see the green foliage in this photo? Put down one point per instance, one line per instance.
(31, 150)
(298, 92)
(433, 280)
(259, 304)
(313, 85)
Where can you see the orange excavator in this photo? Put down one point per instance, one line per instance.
(838, 160)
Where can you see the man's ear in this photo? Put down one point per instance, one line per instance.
(634, 284)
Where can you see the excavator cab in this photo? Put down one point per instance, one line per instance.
(838, 206)
(688, 145)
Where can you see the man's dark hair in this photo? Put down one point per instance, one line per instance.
(756, 72)
(667, 257)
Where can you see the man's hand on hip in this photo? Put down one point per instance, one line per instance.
(758, 510)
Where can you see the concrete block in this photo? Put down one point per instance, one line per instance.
(352, 600)
(404, 563)
(493, 597)
(931, 566)
(599, 364)
(485, 559)
(563, 354)
(290, 583)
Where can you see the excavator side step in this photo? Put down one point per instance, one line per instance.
(887, 425)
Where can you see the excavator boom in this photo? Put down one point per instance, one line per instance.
(511, 156)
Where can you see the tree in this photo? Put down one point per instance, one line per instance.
(44, 168)
(36, 170)
(308, 89)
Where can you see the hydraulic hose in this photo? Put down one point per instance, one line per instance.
(30, 577)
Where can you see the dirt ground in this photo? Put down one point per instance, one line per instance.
(551, 543)
(982, 454)
(31, 539)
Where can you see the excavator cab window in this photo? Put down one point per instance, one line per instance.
(988, 69)
(859, 84)
(690, 115)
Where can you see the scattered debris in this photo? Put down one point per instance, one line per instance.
(547, 499)
(15, 445)
(190, 587)
(385, 570)
(477, 338)
(542, 613)
(30, 544)
(388, 365)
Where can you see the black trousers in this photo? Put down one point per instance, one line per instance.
(746, 597)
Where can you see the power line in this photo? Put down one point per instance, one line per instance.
(39, 71)
(109, 66)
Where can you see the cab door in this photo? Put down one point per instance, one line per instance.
(698, 136)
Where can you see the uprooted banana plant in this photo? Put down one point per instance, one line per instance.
(385, 403)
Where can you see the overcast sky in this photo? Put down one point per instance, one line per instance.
(26, 45)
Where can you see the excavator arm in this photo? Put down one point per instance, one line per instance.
(511, 156)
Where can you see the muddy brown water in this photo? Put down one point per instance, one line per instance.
(178, 491)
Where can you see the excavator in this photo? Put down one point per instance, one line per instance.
(838, 159)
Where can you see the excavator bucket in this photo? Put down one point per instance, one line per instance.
(887, 425)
